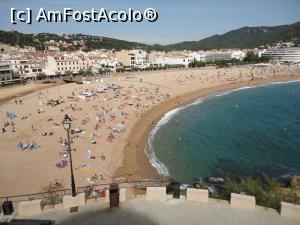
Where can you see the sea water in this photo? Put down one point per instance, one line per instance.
(245, 132)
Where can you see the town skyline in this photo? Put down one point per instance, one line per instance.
(208, 18)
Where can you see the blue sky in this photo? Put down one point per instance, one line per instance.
(178, 20)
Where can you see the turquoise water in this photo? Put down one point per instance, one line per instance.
(247, 132)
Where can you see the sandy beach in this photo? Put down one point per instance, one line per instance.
(113, 125)
(20, 90)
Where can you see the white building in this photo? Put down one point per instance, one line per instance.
(179, 60)
(240, 55)
(289, 55)
(53, 49)
(110, 64)
(170, 58)
(102, 59)
(198, 56)
(26, 67)
(6, 72)
(224, 55)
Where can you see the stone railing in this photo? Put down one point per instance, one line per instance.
(153, 193)
(240, 201)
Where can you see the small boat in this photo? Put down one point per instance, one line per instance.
(48, 81)
(87, 94)
(79, 82)
(216, 180)
(69, 80)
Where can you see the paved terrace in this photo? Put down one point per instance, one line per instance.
(146, 203)
(140, 211)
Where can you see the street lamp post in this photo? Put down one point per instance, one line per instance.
(67, 126)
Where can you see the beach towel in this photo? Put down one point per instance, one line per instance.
(86, 168)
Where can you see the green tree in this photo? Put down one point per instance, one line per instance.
(272, 185)
(58, 74)
(89, 71)
(231, 185)
(197, 64)
(251, 186)
(251, 57)
(81, 72)
(68, 73)
(103, 70)
(120, 69)
(41, 76)
(265, 59)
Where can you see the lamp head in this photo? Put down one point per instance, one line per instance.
(67, 122)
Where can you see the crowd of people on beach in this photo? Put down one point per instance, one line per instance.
(31, 145)
(18, 102)
(101, 112)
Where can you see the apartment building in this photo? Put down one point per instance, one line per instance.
(62, 63)
(100, 62)
(27, 67)
(198, 56)
(224, 55)
(240, 55)
(289, 55)
(102, 59)
(133, 58)
(170, 58)
(6, 72)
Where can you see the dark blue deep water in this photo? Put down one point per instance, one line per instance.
(247, 132)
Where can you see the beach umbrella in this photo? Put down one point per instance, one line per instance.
(12, 116)
(121, 127)
(112, 113)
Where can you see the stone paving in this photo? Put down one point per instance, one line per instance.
(139, 211)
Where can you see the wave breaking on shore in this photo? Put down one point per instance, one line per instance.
(149, 149)
(154, 161)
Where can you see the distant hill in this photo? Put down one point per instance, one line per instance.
(245, 37)
(88, 41)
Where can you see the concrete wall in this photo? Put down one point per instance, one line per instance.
(290, 211)
(156, 194)
(196, 195)
(29, 208)
(106, 195)
(242, 201)
(123, 194)
(69, 201)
